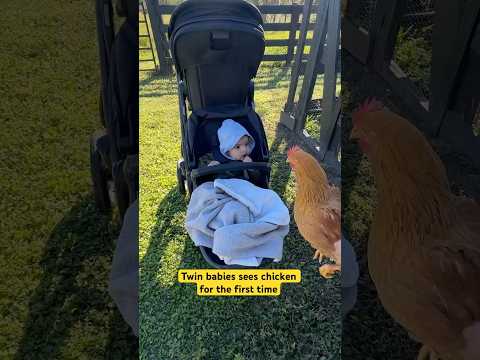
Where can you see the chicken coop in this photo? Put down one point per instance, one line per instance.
(439, 87)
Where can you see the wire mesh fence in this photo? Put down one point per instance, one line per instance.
(413, 46)
(419, 13)
(362, 13)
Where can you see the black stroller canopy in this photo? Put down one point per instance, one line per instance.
(200, 9)
(217, 47)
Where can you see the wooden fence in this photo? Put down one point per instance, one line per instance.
(289, 43)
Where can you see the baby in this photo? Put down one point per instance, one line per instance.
(235, 143)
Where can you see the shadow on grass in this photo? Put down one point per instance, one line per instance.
(178, 324)
(155, 85)
(218, 328)
(147, 77)
(271, 77)
(169, 249)
(167, 227)
(73, 290)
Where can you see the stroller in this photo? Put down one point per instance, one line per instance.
(217, 47)
(114, 148)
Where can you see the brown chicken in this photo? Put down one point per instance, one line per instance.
(424, 245)
(317, 209)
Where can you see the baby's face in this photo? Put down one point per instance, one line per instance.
(239, 151)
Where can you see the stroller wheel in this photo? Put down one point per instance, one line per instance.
(99, 173)
(181, 177)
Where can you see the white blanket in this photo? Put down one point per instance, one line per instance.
(241, 223)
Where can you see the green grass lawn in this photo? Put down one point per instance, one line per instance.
(302, 323)
(413, 54)
(55, 248)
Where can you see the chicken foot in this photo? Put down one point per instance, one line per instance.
(329, 270)
(426, 353)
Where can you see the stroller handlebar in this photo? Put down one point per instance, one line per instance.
(217, 169)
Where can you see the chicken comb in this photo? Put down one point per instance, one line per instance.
(370, 105)
(292, 150)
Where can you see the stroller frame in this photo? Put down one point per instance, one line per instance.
(114, 173)
(189, 175)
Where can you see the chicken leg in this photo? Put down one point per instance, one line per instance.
(329, 270)
(318, 255)
(426, 353)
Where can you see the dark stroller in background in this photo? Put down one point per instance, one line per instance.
(217, 47)
(114, 149)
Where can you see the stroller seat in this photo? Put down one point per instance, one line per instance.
(203, 139)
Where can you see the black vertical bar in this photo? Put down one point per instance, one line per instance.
(451, 35)
(384, 32)
(316, 51)
(329, 103)
(295, 15)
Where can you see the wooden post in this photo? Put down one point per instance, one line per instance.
(316, 52)
(298, 62)
(384, 32)
(329, 103)
(335, 142)
(292, 39)
(149, 35)
(355, 40)
(451, 36)
(159, 36)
